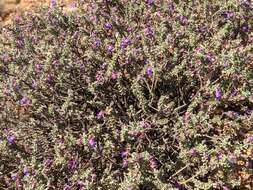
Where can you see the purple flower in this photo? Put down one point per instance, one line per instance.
(218, 94)
(232, 114)
(153, 162)
(97, 43)
(146, 61)
(202, 29)
(71, 164)
(245, 28)
(14, 176)
(125, 163)
(149, 2)
(219, 156)
(126, 42)
(25, 100)
(38, 67)
(99, 77)
(107, 26)
(115, 75)
(149, 32)
(124, 154)
(49, 78)
(100, 115)
(11, 139)
(18, 19)
(5, 57)
(75, 35)
(171, 8)
(250, 139)
(20, 43)
(110, 48)
(53, 3)
(48, 162)
(232, 159)
(138, 37)
(92, 142)
(183, 20)
(233, 93)
(149, 72)
(73, 5)
(6, 92)
(34, 84)
(129, 29)
(210, 58)
(26, 172)
(229, 14)
(144, 124)
(193, 152)
(249, 111)
(247, 4)
(225, 188)
(67, 187)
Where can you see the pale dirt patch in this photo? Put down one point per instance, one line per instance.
(12, 8)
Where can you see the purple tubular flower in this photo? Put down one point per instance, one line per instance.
(49, 78)
(149, 32)
(149, 72)
(26, 172)
(250, 139)
(232, 159)
(193, 152)
(144, 124)
(153, 162)
(183, 20)
(115, 75)
(171, 8)
(229, 14)
(129, 29)
(107, 26)
(71, 165)
(210, 58)
(20, 43)
(5, 57)
(14, 177)
(233, 93)
(225, 188)
(126, 42)
(100, 115)
(25, 100)
(6, 92)
(110, 49)
(75, 35)
(92, 142)
(124, 154)
(48, 162)
(67, 187)
(149, 2)
(218, 94)
(11, 139)
(34, 84)
(245, 28)
(39, 67)
(202, 29)
(146, 61)
(53, 3)
(125, 163)
(97, 43)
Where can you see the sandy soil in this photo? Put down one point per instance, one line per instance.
(11, 8)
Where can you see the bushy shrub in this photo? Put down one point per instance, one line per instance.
(128, 94)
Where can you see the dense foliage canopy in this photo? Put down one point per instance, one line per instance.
(128, 94)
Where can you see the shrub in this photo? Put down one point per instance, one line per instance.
(128, 94)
